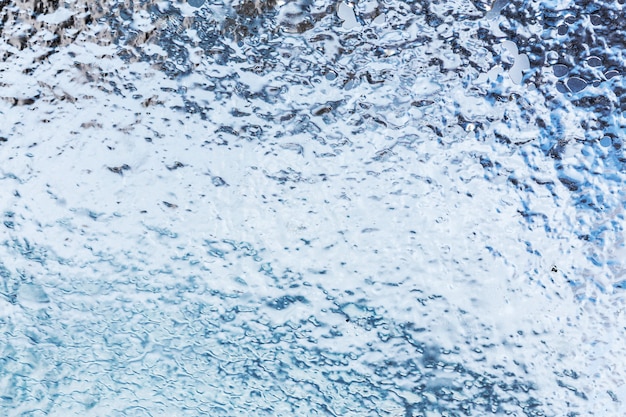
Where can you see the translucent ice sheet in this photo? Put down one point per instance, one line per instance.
(284, 208)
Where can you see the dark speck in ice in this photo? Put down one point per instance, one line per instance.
(175, 166)
(218, 181)
(119, 169)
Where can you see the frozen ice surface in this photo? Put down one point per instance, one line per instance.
(312, 208)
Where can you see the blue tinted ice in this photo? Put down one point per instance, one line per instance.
(279, 208)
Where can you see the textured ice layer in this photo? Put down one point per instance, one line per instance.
(312, 208)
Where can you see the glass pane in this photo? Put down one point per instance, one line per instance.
(312, 207)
